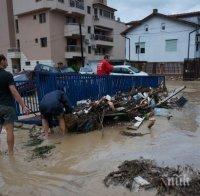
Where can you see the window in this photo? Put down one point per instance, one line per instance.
(42, 18)
(117, 70)
(140, 48)
(95, 11)
(171, 45)
(89, 49)
(17, 26)
(36, 40)
(125, 71)
(61, 1)
(43, 42)
(71, 20)
(101, 12)
(34, 17)
(18, 44)
(88, 9)
(146, 28)
(89, 29)
(27, 63)
(163, 26)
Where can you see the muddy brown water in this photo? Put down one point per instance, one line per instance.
(80, 162)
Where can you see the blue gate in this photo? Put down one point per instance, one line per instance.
(80, 87)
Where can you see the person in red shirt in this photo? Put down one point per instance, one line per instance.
(104, 67)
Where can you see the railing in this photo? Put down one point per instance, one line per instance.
(13, 50)
(78, 4)
(74, 48)
(103, 38)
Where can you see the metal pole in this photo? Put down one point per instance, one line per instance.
(129, 45)
(81, 38)
(139, 50)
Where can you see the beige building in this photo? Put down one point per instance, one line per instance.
(48, 31)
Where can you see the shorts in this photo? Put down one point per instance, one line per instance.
(7, 115)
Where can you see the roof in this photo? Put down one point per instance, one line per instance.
(155, 13)
(183, 15)
(105, 6)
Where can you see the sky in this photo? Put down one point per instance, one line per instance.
(129, 10)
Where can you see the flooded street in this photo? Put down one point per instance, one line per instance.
(79, 163)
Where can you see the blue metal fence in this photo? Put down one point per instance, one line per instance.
(79, 87)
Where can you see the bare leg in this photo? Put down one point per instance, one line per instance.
(45, 126)
(10, 137)
(62, 125)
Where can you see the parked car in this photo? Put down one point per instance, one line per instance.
(86, 70)
(24, 83)
(47, 68)
(127, 70)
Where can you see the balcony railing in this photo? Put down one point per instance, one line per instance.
(78, 4)
(14, 50)
(103, 38)
(74, 48)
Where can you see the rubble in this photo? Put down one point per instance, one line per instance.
(134, 106)
(146, 174)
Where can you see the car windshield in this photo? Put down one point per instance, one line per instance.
(134, 69)
(85, 69)
(67, 70)
(21, 77)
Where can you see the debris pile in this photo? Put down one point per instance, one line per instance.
(134, 106)
(145, 174)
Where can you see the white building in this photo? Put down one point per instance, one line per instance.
(161, 39)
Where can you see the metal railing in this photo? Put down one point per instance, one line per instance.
(13, 50)
(78, 4)
(103, 38)
(74, 48)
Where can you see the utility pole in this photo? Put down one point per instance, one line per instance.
(82, 52)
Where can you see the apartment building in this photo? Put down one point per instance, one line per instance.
(7, 32)
(49, 31)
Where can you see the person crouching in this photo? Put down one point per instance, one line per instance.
(53, 106)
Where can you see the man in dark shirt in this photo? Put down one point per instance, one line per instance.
(7, 109)
(52, 107)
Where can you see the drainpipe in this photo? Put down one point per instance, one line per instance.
(81, 38)
(189, 41)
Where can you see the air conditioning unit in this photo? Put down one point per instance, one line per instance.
(87, 41)
(96, 17)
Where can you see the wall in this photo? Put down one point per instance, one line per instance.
(29, 30)
(7, 35)
(57, 39)
(155, 41)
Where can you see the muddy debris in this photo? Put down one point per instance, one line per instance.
(145, 174)
(34, 137)
(131, 134)
(42, 151)
(134, 106)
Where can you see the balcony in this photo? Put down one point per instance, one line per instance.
(77, 4)
(73, 51)
(14, 53)
(72, 29)
(103, 40)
